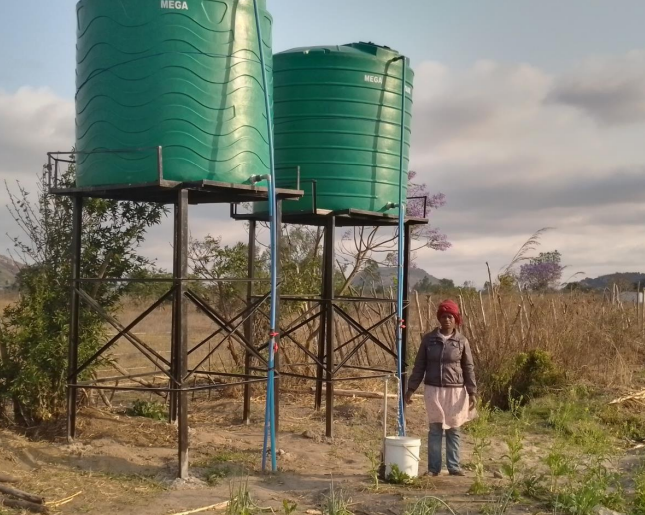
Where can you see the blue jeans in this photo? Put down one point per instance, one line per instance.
(435, 437)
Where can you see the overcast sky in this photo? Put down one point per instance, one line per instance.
(527, 114)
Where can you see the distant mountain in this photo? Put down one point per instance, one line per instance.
(386, 276)
(8, 272)
(625, 280)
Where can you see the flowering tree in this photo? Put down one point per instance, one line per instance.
(542, 272)
(363, 245)
(426, 235)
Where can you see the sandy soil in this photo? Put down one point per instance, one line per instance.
(127, 465)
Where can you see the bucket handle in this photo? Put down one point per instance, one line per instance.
(407, 449)
(411, 454)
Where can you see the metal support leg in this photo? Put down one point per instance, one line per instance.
(406, 305)
(328, 294)
(173, 396)
(180, 327)
(276, 384)
(75, 274)
(248, 325)
(322, 341)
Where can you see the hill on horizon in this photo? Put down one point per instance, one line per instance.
(386, 276)
(624, 280)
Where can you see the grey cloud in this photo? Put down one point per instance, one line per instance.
(511, 159)
(437, 122)
(611, 91)
(613, 187)
(468, 104)
(32, 122)
(476, 207)
(617, 103)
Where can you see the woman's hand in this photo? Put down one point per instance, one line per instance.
(472, 402)
(408, 397)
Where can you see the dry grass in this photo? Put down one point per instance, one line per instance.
(7, 298)
(589, 336)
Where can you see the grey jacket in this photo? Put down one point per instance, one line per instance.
(448, 365)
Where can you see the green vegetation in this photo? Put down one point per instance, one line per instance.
(375, 468)
(639, 492)
(336, 503)
(578, 474)
(397, 477)
(481, 432)
(527, 376)
(214, 476)
(34, 331)
(289, 506)
(240, 502)
(423, 507)
(148, 409)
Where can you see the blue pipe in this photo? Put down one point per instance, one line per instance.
(269, 415)
(401, 252)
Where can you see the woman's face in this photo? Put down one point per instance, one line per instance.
(447, 322)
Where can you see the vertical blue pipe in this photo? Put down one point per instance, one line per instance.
(401, 250)
(269, 418)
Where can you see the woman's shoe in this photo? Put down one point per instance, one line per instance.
(457, 473)
(433, 474)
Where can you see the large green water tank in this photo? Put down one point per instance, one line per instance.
(337, 116)
(184, 75)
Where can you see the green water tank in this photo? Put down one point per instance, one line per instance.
(184, 75)
(337, 116)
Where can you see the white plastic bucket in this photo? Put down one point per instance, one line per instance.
(402, 451)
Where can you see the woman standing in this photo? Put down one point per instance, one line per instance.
(445, 364)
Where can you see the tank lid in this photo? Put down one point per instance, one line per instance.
(360, 48)
(371, 48)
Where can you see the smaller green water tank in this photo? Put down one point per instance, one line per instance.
(337, 116)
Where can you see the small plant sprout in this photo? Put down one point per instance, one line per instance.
(427, 506)
(512, 460)
(560, 465)
(336, 503)
(289, 507)
(481, 432)
(240, 502)
(375, 466)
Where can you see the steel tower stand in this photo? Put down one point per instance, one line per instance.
(330, 307)
(176, 369)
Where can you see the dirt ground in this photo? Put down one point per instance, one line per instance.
(127, 465)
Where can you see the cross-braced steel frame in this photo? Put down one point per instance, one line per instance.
(325, 306)
(176, 369)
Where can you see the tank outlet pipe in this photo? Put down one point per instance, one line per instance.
(400, 323)
(269, 414)
(259, 178)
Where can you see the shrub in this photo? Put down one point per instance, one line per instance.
(148, 409)
(527, 376)
(34, 331)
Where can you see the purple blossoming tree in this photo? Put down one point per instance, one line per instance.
(542, 272)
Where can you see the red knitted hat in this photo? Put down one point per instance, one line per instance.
(450, 307)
